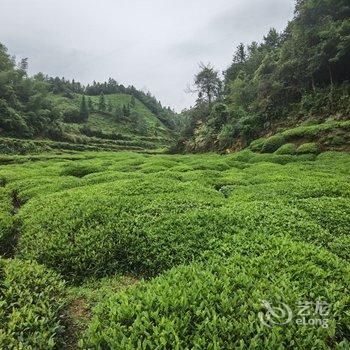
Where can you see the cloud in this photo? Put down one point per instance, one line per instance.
(155, 43)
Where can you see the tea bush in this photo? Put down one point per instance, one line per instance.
(31, 300)
(211, 234)
(273, 143)
(214, 305)
(106, 228)
(310, 147)
(6, 221)
(287, 148)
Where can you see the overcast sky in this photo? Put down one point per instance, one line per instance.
(152, 44)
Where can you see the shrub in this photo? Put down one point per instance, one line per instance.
(31, 299)
(216, 304)
(242, 156)
(226, 136)
(310, 147)
(112, 227)
(6, 222)
(257, 145)
(288, 148)
(335, 140)
(79, 170)
(223, 232)
(273, 143)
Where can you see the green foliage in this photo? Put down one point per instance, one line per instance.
(288, 77)
(215, 304)
(287, 148)
(310, 147)
(6, 221)
(326, 133)
(52, 108)
(273, 143)
(84, 111)
(31, 299)
(257, 145)
(102, 103)
(213, 236)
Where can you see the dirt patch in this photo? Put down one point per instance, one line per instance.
(75, 318)
(77, 314)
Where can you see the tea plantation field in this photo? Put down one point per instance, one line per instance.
(104, 250)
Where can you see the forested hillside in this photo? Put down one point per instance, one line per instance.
(101, 115)
(299, 76)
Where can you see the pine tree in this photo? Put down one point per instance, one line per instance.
(84, 111)
(118, 113)
(126, 111)
(102, 103)
(90, 104)
(132, 102)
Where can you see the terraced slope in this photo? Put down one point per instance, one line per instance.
(108, 123)
(104, 131)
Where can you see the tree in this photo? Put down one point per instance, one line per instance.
(208, 83)
(132, 102)
(126, 111)
(84, 111)
(102, 103)
(119, 113)
(90, 104)
(23, 65)
(240, 55)
(272, 39)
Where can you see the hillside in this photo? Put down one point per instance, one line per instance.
(297, 77)
(314, 138)
(41, 113)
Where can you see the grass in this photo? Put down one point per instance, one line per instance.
(162, 251)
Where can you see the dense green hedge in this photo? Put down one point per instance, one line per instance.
(31, 299)
(104, 228)
(221, 233)
(215, 305)
(6, 221)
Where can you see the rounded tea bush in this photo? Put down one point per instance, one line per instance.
(273, 143)
(218, 304)
(310, 147)
(113, 227)
(288, 148)
(31, 300)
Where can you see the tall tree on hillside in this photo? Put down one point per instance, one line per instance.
(272, 39)
(23, 64)
(238, 63)
(208, 83)
(240, 55)
(132, 102)
(84, 111)
(118, 113)
(90, 104)
(102, 103)
(126, 111)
